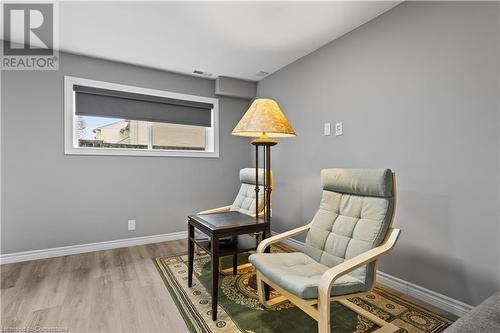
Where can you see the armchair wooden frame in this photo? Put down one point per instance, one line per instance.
(319, 309)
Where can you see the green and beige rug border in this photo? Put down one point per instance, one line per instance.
(194, 303)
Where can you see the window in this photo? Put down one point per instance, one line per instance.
(104, 118)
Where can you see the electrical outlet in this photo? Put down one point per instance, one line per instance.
(131, 225)
(339, 129)
(327, 129)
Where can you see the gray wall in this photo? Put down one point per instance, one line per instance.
(418, 92)
(50, 200)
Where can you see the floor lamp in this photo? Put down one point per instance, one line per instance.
(264, 120)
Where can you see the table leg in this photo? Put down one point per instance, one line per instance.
(215, 275)
(190, 254)
(235, 264)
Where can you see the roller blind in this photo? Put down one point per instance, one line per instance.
(99, 102)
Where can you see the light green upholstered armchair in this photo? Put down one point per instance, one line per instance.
(245, 199)
(350, 231)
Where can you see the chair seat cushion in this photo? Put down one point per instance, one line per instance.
(299, 274)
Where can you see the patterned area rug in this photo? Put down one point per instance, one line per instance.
(239, 309)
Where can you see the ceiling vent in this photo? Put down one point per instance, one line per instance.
(202, 73)
(262, 73)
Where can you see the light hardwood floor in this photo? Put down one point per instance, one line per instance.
(106, 291)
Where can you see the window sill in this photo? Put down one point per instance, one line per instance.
(138, 152)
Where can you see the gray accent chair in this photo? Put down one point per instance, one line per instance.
(349, 232)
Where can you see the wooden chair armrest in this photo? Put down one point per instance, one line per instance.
(274, 239)
(261, 214)
(329, 277)
(224, 209)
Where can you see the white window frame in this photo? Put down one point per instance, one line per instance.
(71, 142)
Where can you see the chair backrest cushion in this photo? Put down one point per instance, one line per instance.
(354, 216)
(245, 200)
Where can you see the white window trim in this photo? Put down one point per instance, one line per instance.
(70, 141)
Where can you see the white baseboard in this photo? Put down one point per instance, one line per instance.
(438, 300)
(9, 258)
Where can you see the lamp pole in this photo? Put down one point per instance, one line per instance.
(257, 188)
(266, 144)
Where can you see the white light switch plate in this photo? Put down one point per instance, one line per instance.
(338, 129)
(131, 225)
(327, 129)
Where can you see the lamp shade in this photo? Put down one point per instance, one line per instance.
(264, 118)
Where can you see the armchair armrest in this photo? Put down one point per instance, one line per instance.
(261, 214)
(328, 277)
(224, 209)
(274, 239)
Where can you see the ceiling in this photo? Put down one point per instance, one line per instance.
(236, 39)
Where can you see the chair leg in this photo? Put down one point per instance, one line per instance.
(324, 314)
(261, 291)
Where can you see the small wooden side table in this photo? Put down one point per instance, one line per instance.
(217, 226)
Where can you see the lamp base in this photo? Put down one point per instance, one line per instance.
(264, 141)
